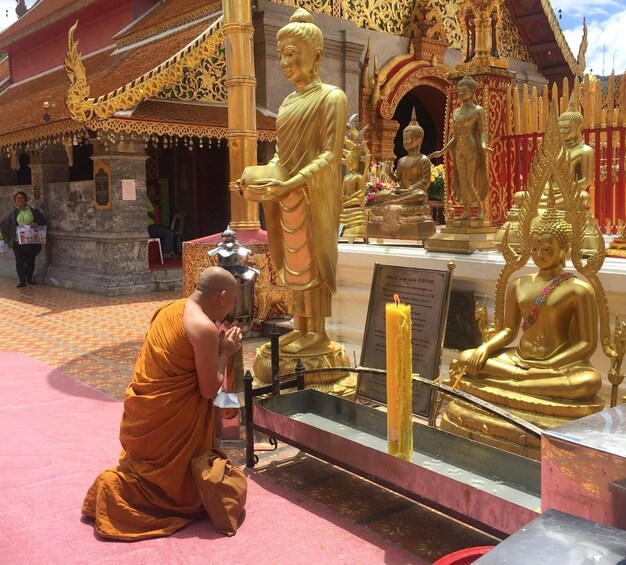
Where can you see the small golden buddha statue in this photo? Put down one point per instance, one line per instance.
(300, 190)
(356, 160)
(470, 183)
(548, 378)
(582, 160)
(404, 212)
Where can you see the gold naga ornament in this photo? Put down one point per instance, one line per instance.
(548, 378)
(356, 159)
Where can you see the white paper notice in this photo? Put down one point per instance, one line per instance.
(129, 191)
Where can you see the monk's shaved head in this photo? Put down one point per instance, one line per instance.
(214, 280)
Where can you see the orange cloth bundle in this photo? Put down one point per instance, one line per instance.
(223, 488)
(166, 423)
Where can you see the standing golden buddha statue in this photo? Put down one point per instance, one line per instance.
(356, 159)
(404, 213)
(548, 378)
(470, 180)
(300, 190)
(470, 183)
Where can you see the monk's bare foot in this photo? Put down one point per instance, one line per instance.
(308, 341)
(289, 337)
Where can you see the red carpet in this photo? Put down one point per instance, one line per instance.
(57, 434)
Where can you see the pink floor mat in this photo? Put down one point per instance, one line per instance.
(57, 434)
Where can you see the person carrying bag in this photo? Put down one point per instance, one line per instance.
(25, 254)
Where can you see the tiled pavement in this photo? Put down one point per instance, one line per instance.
(96, 339)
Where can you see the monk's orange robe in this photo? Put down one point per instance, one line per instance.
(166, 423)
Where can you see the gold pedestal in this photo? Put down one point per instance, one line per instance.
(332, 356)
(474, 423)
(617, 248)
(354, 221)
(463, 236)
(414, 230)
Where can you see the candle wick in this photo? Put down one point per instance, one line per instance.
(396, 299)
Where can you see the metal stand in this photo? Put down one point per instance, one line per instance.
(273, 389)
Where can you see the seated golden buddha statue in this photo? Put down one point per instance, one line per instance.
(404, 212)
(356, 160)
(548, 378)
(581, 158)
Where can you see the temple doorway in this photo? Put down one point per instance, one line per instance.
(193, 183)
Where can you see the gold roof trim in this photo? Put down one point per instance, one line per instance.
(42, 135)
(571, 61)
(148, 128)
(84, 108)
(57, 16)
(190, 17)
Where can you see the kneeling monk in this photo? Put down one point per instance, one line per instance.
(168, 416)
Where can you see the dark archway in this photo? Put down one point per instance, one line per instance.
(430, 110)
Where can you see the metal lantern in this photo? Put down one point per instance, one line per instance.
(230, 254)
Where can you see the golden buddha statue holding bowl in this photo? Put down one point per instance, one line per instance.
(300, 190)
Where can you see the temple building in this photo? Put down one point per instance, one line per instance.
(154, 78)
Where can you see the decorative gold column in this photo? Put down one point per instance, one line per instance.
(241, 87)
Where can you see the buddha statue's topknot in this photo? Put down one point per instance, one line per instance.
(301, 27)
(469, 82)
(571, 114)
(414, 126)
(553, 222)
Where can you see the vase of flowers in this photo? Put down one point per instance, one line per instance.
(436, 190)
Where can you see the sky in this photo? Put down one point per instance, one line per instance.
(606, 20)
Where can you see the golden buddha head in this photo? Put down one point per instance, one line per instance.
(466, 88)
(300, 47)
(570, 123)
(551, 238)
(413, 134)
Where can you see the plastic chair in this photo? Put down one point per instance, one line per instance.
(177, 226)
(158, 242)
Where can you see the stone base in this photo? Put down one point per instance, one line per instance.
(107, 284)
(463, 236)
(334, 356)
(414, 231)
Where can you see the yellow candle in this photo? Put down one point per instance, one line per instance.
(399, 382)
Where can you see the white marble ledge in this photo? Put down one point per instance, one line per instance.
(356, 264)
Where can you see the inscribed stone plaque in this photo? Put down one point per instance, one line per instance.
(102, 185)
(427, 291)
(461, 328)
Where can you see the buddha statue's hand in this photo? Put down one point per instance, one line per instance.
(265, 190)
(477, 359)
(436, 154)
